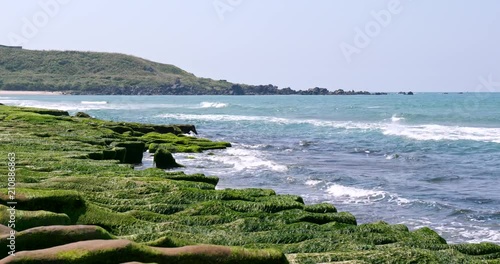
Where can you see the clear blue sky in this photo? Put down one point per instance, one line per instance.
(427, 45)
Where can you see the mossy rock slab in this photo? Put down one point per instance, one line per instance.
(134, 153)
(29, 219)
(161, 208)
(120, 251)
(51, 236)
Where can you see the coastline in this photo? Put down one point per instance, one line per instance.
(86, 179)
(7, 92)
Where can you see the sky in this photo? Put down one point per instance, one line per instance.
(372, 45)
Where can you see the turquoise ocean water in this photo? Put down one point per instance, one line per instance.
(423, 160)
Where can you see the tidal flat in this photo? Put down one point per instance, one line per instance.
(79, 200)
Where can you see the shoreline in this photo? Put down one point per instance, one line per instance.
(86, 184)
(7, 92)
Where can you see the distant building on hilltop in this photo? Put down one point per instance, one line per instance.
(11, 47)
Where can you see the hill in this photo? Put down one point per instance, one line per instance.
(77, 72)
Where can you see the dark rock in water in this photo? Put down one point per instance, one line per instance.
(403, 93)
(83, 115)
(134, 152)
(410, 93)
(175, 129)
(164, 159)
(186, 129)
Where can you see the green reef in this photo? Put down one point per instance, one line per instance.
(79, 200)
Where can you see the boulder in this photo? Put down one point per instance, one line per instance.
(135, 150)
(83, 115)
(120, 153)
(164, 159)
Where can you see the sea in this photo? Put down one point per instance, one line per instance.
(429, 159)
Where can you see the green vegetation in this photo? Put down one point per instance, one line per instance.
(73, 171)
(164, 159)
(121, 251)
(106, 73)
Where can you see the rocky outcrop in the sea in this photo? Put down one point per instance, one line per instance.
(164, 160)
(83, 115)
(236, 89)
(324, 91)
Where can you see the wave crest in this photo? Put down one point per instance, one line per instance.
(94, 102)
(213, 105)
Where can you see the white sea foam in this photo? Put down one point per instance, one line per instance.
(313, 182)
(355, 195)
(439, 132)
(94, 102)
(213, 105)
(391, 156)
(270, 119)
(247, 159)
(482, 235)
(88, 105)
(396, 118)
(417, 132)
(462, 233)
(399, 200)
(226, 118)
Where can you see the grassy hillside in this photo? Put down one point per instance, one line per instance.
(76, 72)
(102, 73)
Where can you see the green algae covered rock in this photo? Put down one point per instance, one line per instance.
(54, 235)
(153, 147)
(29, 219)
(134, 153)
(121, 251)
(82, 115)
(120, 153)
(58, 184)
(164, 160)
(181, 143)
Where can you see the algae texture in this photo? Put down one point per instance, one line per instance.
(81, 201)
